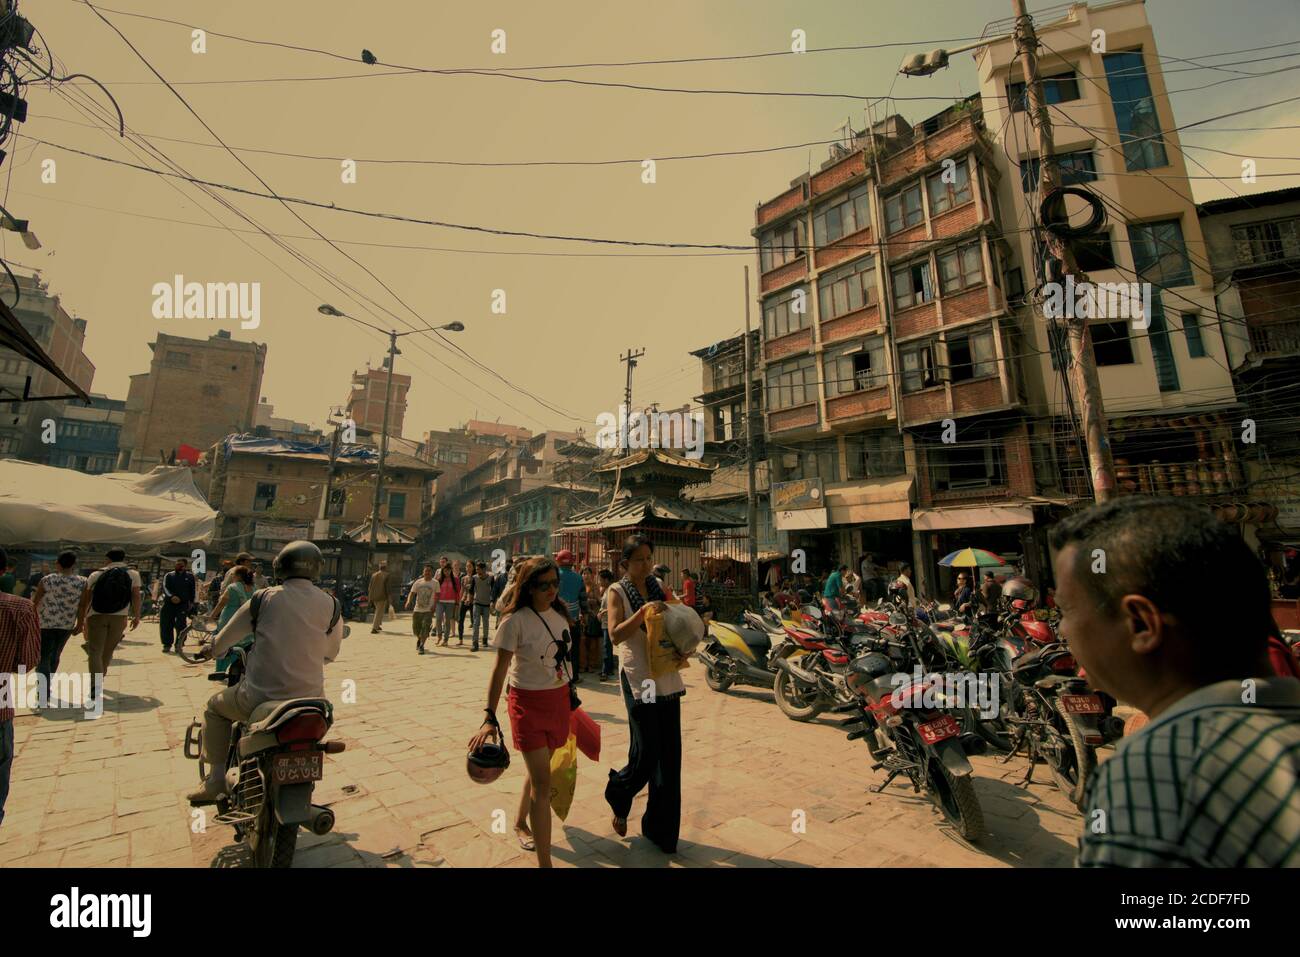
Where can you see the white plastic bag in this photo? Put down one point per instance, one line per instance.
(684, 627)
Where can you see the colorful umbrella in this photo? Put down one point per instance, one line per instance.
(971, 558)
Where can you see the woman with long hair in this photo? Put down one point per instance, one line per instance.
(653, 705)
(534, 642)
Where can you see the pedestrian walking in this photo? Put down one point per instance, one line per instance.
(653, 709)
(20, 649)
(112, 595)
(534, 664)
(231, 600)
(57, 598)
(424, 592)
(448, 579)
(466, 598)
(379, 597)
(481, 603)
(1213, 780)
(178, 591)
(609, 664)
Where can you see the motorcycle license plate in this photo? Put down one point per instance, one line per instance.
(298, 768)
(1082, 704)
(941, 729)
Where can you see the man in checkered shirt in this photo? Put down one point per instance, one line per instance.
(20, 646)
(1167, 609)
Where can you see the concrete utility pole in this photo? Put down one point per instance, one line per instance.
(751, 453)
(1083, 361)
(322, 517)
(630, 358)
(383, 447)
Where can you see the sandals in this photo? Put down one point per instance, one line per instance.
(525, 840)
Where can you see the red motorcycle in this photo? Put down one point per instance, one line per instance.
(813, 663)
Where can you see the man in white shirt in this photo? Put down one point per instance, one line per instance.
(102, 617)
(299, 630)
(423, 594)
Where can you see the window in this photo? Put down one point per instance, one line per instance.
(918, 366)
(1015, 287)
(264, 497)
(843, 216)
(396, 504)
(851, 287)
(1135, 111)
(786, 312)
(1159, 253)
(1161, 349)
(811, 463)
(943, 195)
(977, 463)
(1093, 253)
(903, 209)
(855, 367)
(1192, 330)
(781, 245)
(874, 455)
(1056, 89)
(1072, 169)
(960, 268)
(912, 284)
(792, 383)
(1111, 344)
(338, 499)
(971, 356)
(1267, 242)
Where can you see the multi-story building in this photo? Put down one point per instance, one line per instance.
(88, 435)
(62, 336)
(365, 402)
(196, 392)
(1165, 374)
(266, 422)
(459, 450)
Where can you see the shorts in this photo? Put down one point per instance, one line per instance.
(538, 719)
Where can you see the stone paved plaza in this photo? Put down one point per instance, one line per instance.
(110, 791)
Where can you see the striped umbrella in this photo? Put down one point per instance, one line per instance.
(971, 558)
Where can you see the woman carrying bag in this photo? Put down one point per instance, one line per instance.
(653, 705)
(534, 641)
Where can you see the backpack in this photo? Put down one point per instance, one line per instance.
(112, 591)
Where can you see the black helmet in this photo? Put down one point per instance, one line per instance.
(872, 665)
(298, 560)
(1020, 589)
(487, 762)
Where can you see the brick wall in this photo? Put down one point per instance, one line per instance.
(1020, 476)
(977, 394)
(918, 319)
(952, 138)
(956, 221)
(901, 245)
(785, 275)
(927, 404)
(833, 176)
(791, 344)
(851, 324)
(855, 404)
(802, 416)
(775, 208)
(846, 247)
(966, 305)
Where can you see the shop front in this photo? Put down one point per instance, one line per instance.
(1007, 531)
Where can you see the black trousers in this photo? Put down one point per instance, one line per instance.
(460, 631)
(654, 757)
(171, 619)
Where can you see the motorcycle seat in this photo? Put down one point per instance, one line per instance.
(1026, 661)
(266, 714)
(760, 641)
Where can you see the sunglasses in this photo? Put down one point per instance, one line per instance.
(547, 585)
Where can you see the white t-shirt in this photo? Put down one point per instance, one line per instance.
(534, 666)
(94, 577)
(426, 593)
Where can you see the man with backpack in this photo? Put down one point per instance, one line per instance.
(297, 629)
(112, 594)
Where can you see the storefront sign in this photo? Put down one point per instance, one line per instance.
(280, 533)
(800, 518)
(800, 493)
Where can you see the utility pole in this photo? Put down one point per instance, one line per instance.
(1083, 361)
(322, 517)
(630, 358)
(751, 452)
(383, 446)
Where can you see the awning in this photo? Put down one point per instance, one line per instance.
(877, 500)
(14, 336)
(984, 516)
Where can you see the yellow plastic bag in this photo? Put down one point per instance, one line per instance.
(660, 652)
(564, 777)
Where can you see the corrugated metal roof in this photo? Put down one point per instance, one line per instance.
(634, 510)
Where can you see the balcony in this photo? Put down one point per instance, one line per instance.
(1275, 338)
(797, 417)
(1207, 480)
(856, 407)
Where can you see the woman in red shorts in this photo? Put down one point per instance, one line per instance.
(533, 653)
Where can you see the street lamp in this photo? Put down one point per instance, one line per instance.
(925, 64)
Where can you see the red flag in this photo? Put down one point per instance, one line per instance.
(188, 454)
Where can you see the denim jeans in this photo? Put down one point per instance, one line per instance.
(52, 642)
(446, 617)
(481, 617)
(610, 665)
(6, 762)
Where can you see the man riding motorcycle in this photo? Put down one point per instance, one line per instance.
(299, 630)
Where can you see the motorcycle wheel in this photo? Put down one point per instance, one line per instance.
(1076, 767)
(794, 706)
(715, 679)
(274, 843)
(956, 798)
(992, 730)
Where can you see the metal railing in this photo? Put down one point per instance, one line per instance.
(1275, 337)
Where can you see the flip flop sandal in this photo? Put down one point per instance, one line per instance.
(525, 840)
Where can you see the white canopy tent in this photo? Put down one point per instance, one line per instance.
(41, 505)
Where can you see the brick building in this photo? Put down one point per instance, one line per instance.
(196, 392)
(365, 402)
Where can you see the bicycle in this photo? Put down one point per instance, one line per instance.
(194, 642)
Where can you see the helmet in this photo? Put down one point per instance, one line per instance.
(564, 557)
(298, 560)
(487, 762)
(1020, 588)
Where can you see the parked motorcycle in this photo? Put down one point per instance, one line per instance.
(813, 676)
(740, 654)
(274, 761)
(906, 726)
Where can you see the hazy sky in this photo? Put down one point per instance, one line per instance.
(110, 233)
